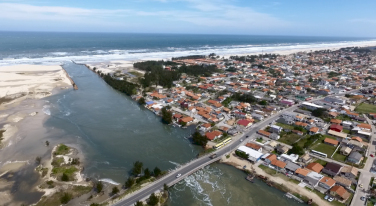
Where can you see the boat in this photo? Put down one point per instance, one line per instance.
(250, 177)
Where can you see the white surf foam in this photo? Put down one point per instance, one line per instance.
(109, 181)
(46, 110)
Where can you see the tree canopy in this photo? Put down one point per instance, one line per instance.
(199, 139)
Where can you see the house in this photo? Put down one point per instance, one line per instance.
(301, 172)
(355, 157)
(278, 164)
(282, 149)
(305, 158)
(270, 158)
(345, 150)
(324, 91)
(337, 134)
(274, 136)
(313, 178)
(213, 135)
(254, 146)
(357, 139)
(336, 121)
(290, 158)
(292, 167)
(364, 126)
(311, 106)
(343, 181)
(275, 129)
(264, 133)
(327, 183)
(336, 100)
(336, 127)
(314, 166)
(331, 142)
(355, 143)
(186, 120)
(253, 155)
(339, 192)
(349, 171)
(332, 169)
(314, 130)
(205, 127)
(245, 123)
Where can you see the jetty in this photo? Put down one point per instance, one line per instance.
(291, 196)
(71, 80)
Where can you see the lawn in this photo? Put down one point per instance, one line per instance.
(324, 148)
(346, 131)
(285, 126)
(339, 157)
(366, 108)
(343, 118)
(289, 138)
(321, 162)
(268, 170)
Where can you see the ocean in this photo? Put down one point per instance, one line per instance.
(53, 48)
(113, 131)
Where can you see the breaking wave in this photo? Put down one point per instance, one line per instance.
(46, 110)
(109, 181)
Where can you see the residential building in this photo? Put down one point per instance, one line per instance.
(339, 192)
(275, 129)
(327, 183)
(254, 146)
(355, 157)
(343, 181)
(332, 169)
(314, 166)
(254, 155)
(331, 142)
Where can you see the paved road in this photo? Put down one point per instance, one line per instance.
(366, 175)
(170, 179)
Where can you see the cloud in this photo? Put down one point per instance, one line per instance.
(218, 15)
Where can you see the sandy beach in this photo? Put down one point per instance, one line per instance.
(22, 89)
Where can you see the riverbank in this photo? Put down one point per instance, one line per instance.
(280, 182)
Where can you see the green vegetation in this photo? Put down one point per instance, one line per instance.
(324, 148)
(98, 187)
(142, 101)
(166, 115)
(153, 200)
(249, 98)
(121, 85)
(129, 182)
(321, 162)
(57, 161)
(289, 138)
(115, 190)
(339, 157)
(62, 197)
(296, 149)
(268, 170)
(1, 134)
(346, 131)
(285, 126)
(242, 154)
(199, 139)
(311, 139)
(319, 112)
(333, 74)
(137, 168)
(366, 108)
(64, 172)
(62, 149)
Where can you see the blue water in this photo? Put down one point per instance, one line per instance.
(48, 47)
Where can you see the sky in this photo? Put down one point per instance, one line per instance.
(250, 17)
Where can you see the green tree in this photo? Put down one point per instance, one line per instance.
(142, 101)
(138, 203)
(296, 149)
(153, 199)
(318, 112)
(310, 79)
(65, 177)
(115, 190)
(242, 154)
(147, 174)
(65, 198)
(157, 172)
(263, 102)
(165, 187)
(199, 139)
(130, 182)
(166, 115)
(99, 187)
(137, 168)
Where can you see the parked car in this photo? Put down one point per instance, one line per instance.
(361, 185)
(246, 136)
(178, 175)
(372, 155)
(330, 199)
(241, 140)
(362, 198)
(326, 197)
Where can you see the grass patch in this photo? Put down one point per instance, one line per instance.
(365, 108)
(343, 117)
(339, 157)
(57, 161)
(321, 162)
(206, 151)
(294, 181)
(62, 149)
(68, 170)
(346, 131)
(137, 74)
(259, 140)
(55, 199)
(289, 138)
(285, 126)
(324, 148)
(268, 170)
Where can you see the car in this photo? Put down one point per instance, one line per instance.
(362, 198)
(241, 140)
(372, 155)
(178, 175)
(246, 136)
(361, 185)
(330, 199)
(326, 197)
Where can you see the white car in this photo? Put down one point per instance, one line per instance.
(330, 199)
(178, 175)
